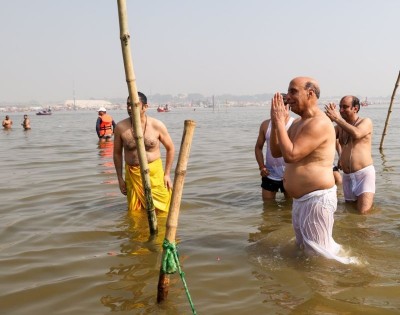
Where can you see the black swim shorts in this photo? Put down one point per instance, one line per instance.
(272, 185)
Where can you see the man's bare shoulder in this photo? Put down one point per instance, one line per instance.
(366, 120)
(318, 126)
(155, 123)
(322, 122)
(325, 119)
(264, 125)
(123, 123)
(122, 126)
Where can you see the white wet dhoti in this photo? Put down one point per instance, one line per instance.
(357, 183)
(312, 218)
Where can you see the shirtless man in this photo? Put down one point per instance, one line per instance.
(355, 136)
(308, 148)
(7, 123)
(271, 169)
(154, 132)
(26, 123)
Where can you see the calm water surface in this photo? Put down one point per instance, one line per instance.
(67, 245)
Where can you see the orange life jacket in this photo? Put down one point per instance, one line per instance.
(106, 125)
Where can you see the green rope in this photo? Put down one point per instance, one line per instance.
(170, 265)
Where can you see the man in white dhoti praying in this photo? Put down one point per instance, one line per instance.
(355, 137)
(308, 148)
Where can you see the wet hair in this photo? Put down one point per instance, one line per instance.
(142, 98)
(312, 86)
(7, 117)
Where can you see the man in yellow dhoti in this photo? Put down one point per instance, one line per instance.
(154, 132)
(134, 187)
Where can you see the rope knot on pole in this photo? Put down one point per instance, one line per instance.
(169, 265)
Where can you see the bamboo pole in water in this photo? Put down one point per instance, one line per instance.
(136, 123)
(389, 111)
(173, 215)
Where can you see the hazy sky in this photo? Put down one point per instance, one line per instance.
(51, 47)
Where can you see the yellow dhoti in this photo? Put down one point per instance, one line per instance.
(135, 192)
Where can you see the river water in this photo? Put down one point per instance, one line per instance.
(68, 246)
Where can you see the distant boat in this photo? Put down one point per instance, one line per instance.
(44, 112)
(163, 109)
(364, 103)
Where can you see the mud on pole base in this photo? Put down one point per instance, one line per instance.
(163, 287)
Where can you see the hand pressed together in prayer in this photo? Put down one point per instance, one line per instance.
(279, 111)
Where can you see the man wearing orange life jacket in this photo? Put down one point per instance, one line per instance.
(105, 125)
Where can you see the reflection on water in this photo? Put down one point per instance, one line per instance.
(107, 164)
(68, 246)
(134, 278)
(106, 149)
(302, 284)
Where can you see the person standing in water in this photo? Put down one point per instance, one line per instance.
(7, 122)
(355, 136)
(105, 125)
(154, 133)
(308, 148)
(26, 123)
(271, 169)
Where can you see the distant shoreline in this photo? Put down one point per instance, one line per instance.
(115, 107)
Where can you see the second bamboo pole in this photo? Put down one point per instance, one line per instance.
(389, 111)
(173, 215)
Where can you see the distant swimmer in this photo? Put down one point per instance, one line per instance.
(7, 122)
(271, 169)
(308, 148)
(26, 123)
(355, 136)
(105, 125)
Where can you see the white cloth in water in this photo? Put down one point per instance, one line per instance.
(357, 183)
(312, 219)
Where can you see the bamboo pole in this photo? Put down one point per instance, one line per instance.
(136, 124)
(173, 215)
(389, 111)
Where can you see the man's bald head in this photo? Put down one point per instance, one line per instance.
(308, 84)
